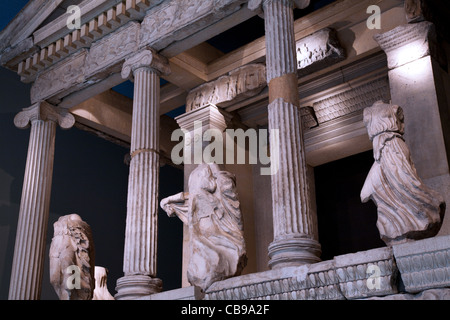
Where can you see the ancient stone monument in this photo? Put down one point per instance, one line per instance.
(306, 76)
(72, 258)
(211, 210)
(237, 85)
(407, 208)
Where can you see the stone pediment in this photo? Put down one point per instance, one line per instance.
(21, 37)
(34, 47)
(40, 35)
(27, 21)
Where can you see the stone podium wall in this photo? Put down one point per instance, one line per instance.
(418, 270)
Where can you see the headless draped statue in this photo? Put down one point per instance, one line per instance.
(101, 289)
(211, 210)
(407, 208)
(72, 259)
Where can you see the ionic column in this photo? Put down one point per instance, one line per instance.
(295, 238)
(29, 251)
(140, 254)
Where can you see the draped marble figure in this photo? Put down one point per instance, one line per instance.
(72, 259)
(211, 210)
(101, 289)
(407, 208)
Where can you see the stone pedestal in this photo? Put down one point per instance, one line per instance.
(353, 276)
(415, 63)
(295, 237)
(188, 293)
(140, 254)
(194, 124)
(29, 251)
(424, 264)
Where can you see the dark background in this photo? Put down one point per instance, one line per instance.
(345, 224)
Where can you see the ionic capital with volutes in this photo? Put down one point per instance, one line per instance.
(46, 112)
(147, 58)
(258, 5)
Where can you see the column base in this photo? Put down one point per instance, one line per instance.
(293, 251)
(136, 286)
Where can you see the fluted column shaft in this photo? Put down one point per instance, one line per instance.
(29, 251)
(140, 254)
(142, 208)
(295, 237)
(280, 40)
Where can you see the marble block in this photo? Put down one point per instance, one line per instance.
(318, 51)
(367, 273)
(424, 264)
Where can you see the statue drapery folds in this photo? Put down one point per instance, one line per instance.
(407, 208)
(211, 210)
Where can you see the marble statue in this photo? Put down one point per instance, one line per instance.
(211, 210)
(413, 10)
(101, 290)
(407, 208)
(72, 259)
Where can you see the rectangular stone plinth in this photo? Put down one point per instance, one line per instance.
(188, 293)
(424, 267)
(309, 282)
(367, 273)
(424, 264)
(352, 276)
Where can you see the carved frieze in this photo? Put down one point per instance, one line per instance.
(100, 26)
(239, 84)
(368, 273)
(409, 42)
(432, 294)
(346, 102)
(317, 51)
(167, 18)
(424, 264)
(352, 276)
(169, 21)
(314, 282)
(63, 76)
(108, 53)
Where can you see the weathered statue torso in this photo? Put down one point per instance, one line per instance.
(407, 208)
(72, 259)
(211, 210)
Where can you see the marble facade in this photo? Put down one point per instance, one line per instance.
(311, 79)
